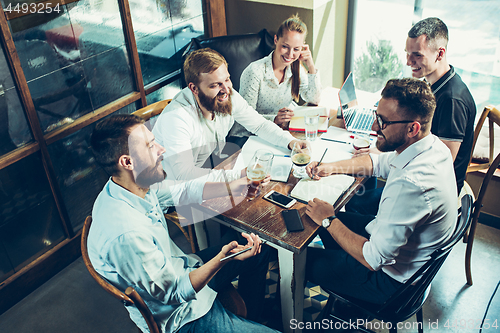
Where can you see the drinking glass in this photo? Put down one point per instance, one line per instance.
(259, 166)
(311, 123)
(301, 157)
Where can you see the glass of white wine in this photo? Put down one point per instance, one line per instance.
(301, 157)
(258, 168)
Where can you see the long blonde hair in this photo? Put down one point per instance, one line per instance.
(293, 23)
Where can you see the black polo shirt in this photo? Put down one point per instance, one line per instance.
(454, 118)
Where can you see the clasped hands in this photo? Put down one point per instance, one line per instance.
(283, 117)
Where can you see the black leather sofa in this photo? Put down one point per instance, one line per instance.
(239, 51)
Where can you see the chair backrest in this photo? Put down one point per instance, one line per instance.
(494, 164)
(129, 297)
(149, 112)
(408, 298)
(152, 110)
(493, 115)
(239, 51)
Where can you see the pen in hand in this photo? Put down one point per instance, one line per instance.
(319, 163)
(237, 253)
(240, 252)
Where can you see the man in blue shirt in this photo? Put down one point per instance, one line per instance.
(129, 243)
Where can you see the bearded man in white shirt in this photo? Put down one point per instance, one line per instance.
(369, 257)
(197, 120)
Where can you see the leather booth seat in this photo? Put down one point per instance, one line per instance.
(239, 51)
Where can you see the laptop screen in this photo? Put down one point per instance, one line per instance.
(347, 94)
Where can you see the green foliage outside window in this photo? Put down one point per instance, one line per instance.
(375, 67)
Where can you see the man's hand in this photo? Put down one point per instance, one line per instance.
(316, 172)
(234, 247)
(202, 275)
(364, 151)
(303, 144)
(283, 117)
(318, 210)
(266, 181)
(240, 186)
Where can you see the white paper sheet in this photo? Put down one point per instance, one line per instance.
(254, 143)
(337, 151)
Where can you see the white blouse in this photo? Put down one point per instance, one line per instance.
(262, 90)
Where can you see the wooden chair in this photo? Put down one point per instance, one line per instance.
(228, 297)
(152, 110)
(410, 297)
(129, 297)
(493, 115)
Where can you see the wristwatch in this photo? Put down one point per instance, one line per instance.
(326, 222)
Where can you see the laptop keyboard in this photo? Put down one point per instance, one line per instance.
(348, 115)
(363, 121)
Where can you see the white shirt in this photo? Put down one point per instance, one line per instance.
(263, 92)
(418, 207)
(189, 138)
(129, 245)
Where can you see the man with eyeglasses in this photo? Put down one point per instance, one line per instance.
(368, 257)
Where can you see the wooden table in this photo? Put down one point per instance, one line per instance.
(264, 219)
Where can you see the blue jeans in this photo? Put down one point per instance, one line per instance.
(252, 276)
(221, 321)
(333, 268)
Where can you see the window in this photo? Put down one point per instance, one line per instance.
(77, 65)
(381, 27)
(162, 29)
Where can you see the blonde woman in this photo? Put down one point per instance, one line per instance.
(274, 83)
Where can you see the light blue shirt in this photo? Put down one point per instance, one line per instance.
(418, 207)
(129, 245)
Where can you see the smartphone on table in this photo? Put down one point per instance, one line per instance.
(280, 199)
(292, 219)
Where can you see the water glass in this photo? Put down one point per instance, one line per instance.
(311, 121)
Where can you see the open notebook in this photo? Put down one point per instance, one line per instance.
(328, 188)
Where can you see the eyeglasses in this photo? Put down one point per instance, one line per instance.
(383, 124)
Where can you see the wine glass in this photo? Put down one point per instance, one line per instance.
(301, 157)
(258, 168)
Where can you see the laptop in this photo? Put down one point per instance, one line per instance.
(356, 118)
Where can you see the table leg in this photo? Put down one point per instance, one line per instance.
(292, 274)
(207, 230)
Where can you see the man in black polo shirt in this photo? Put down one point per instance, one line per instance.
(453, 121)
